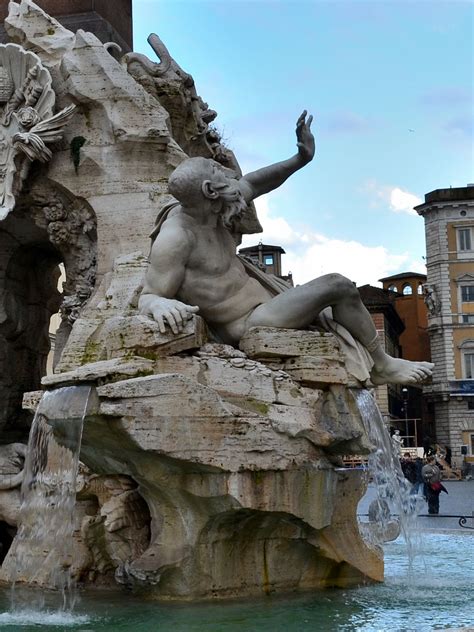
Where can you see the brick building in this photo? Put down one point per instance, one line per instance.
(411, 307)
(380, 304)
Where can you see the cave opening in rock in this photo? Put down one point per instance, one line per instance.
(7, 533)
(30, 298)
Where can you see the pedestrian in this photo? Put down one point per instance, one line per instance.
(448, 456)
(419, 478)
(408, 468)
(427, 449)
(433, 487)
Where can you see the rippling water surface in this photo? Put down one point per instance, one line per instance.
(437, 596)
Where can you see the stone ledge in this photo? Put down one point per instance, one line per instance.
(111, 370)
(270, 342)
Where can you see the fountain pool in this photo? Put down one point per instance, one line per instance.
(437, 596)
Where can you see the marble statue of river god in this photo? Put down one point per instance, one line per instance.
(194, 266)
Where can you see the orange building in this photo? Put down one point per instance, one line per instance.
(411, 308)
(408, 296)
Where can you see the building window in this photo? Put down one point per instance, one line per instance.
(464, 239)
(268, 260)
(407, 290)
(420, 288)
(392, 288)
(467, 293)
(470, 404)
(468, 319)
(469, 364)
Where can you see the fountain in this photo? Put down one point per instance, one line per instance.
(210, 461)
(394, 497)
(42, 550)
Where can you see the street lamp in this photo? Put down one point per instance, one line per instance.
(405, 408)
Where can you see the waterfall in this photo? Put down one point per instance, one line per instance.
(392, 488)
(42, 550)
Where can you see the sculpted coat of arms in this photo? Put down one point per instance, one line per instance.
(27, 123)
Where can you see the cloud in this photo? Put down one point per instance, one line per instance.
(397, 199)
(461, 126)
(276, 229)
(310, 255)
(403, 201)
(447, 96)
(346, 123)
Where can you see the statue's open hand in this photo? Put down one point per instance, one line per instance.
(305, 138)
(166, 311)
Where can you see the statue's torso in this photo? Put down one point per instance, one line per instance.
(214, 275)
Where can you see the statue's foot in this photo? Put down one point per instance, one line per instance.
(398, 371)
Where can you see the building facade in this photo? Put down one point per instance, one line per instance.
(449, 229)
(380, 304)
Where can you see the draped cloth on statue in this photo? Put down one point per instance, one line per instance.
(358, 360)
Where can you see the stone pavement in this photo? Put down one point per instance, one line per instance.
(459, 502)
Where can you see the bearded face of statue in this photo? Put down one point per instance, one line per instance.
(232, 208)
(225, 184)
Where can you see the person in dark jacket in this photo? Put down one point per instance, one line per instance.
(408, 468)
(448, 456)
(433, 487)
(419, 478)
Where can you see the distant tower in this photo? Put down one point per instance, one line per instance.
(109, 20)
(268, 257)
(411, 307)
(449, 228)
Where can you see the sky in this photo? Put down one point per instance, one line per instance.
(390, 86)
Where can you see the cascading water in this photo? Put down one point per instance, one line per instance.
(393, 490)
(42, 550)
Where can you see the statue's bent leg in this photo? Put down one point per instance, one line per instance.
(299, 306)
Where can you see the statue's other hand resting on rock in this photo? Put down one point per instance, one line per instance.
(194, 266)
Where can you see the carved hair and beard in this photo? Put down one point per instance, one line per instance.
(233, 205)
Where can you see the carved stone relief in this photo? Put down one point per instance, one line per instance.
(71, 227)
(190, 117)
(27, 123)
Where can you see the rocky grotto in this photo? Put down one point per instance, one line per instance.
(206, 469)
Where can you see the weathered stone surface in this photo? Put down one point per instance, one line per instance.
(139, 335)
(28, 25)
(269, 342)
(209, 431)
(340, 418)
(255, 529)
(31, 400)
(316, 371)
(12, 458)
(97, 371)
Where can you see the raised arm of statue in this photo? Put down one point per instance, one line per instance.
(265, 180)
(165, 275)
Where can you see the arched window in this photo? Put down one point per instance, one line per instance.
(420, 288)
(407, 290)
(392, 288)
